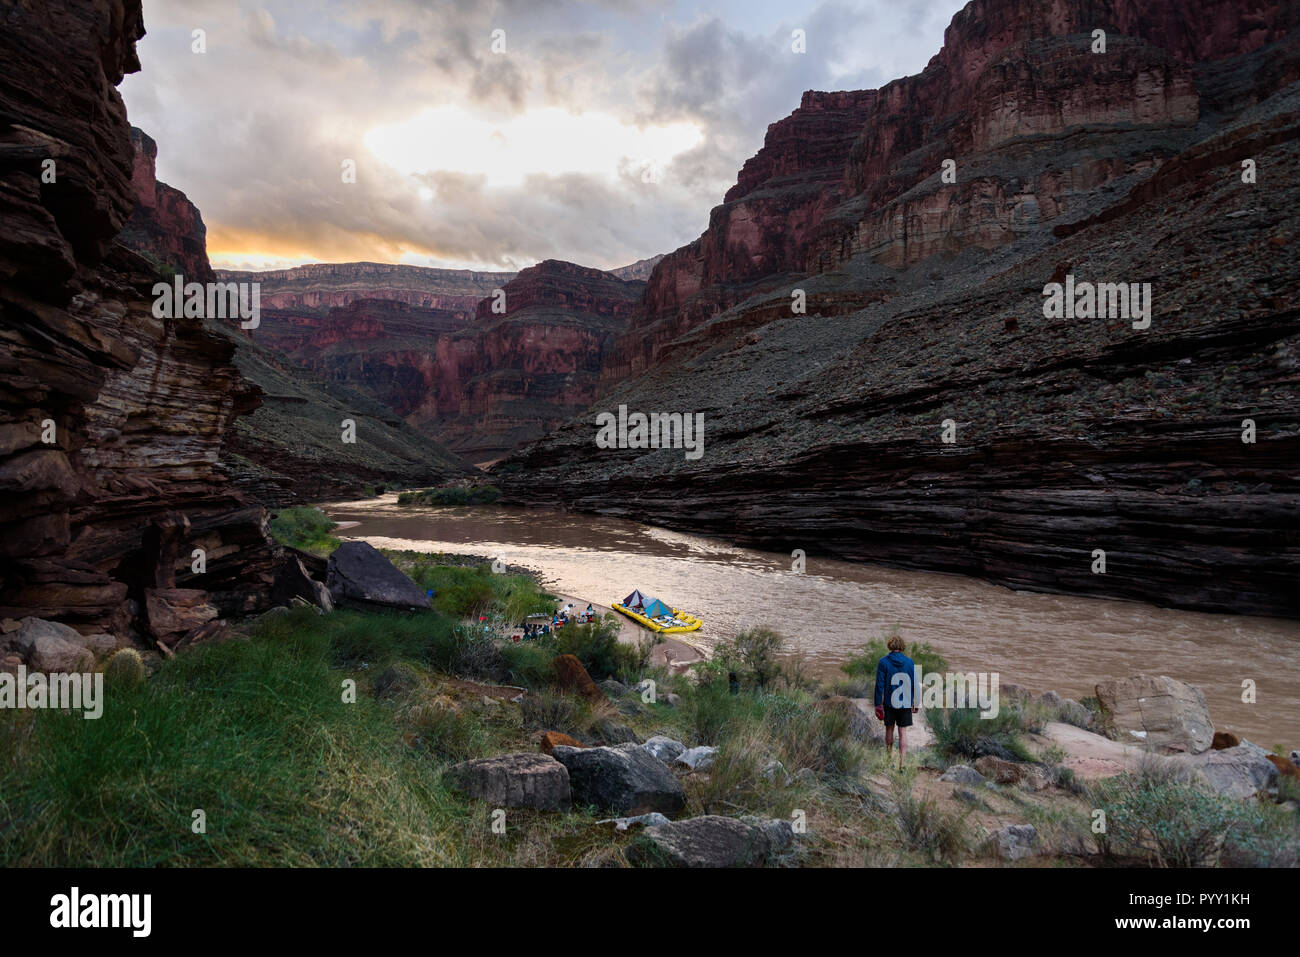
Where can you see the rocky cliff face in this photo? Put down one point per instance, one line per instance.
(1035, 119)
(825, 431)
(322, 286)
(292, 448)
(427, 344)
(165, 226)
(510, 377)
(112, 422)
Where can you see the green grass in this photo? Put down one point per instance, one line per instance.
(304, 528)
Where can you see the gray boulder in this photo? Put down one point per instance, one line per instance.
(713, 841)
(1168, 715)
(1067, 709)
(612, 687)
(962, 774)
(625, 779)
(1240, 772)
(611, 732)
(664, 748)
(51, 647)
(1014, 842)
(359, 575)
(698, 759)
(529, 780)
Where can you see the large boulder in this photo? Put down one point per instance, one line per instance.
(1168, 715)
(611, 732)
(713, 841)
(625, 779)
(175, 613)
(962, 774)
(1240, 772)
(51, 646)
(292, 580)
(1032, 776)
(359, 575)
(514, 780)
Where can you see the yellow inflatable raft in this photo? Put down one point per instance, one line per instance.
(678, 622)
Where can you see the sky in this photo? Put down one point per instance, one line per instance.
(487, 135)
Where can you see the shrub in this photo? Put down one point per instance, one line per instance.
(597, 646)
(1171, 823)
(752, 654)
(305, 528)
(963, 733)
(861, 668)
(926, 827)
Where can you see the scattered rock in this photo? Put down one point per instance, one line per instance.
(698, 759)
(1224, 740)
(653, 819)
(1285, 767)
(775, 772)
(1032, 776)
(174, 613)
(964, 774)
(397, 681)
(51, 646)
(1067, 709)
(1014, 842)
(1295, 758)
(611, 732)
(514, 780)
(553, 739)
(713, 841)
(625, 779)
(571, 676)
(670, 699)
(971, 798)
(612, 688)
(1240, 772)
(1168, 715)
(665, 749)
(359, 575)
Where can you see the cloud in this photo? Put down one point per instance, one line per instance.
(541, 151)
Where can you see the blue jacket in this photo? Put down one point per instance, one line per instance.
(895, 680)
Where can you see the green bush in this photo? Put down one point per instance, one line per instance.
(861, 667)
(964, 733)
(597, 646)
(304, 528)
(752, 655)
(1169, 822)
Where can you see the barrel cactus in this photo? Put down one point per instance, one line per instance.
(124, 668)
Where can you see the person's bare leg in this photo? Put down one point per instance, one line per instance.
(902, 745)
(889, 738)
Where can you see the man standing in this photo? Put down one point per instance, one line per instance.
(895, 695)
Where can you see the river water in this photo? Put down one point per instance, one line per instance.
(1039, 641)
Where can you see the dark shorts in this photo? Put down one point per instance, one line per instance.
(898, 716)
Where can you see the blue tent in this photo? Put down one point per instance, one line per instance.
(656, 608)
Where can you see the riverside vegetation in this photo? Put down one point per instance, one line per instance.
(255, 733)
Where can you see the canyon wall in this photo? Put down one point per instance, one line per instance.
(112, 422)
(924, 411)
(427, 344)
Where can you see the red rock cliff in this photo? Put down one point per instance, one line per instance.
(111, 421)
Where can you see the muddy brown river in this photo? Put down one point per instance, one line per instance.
(1039, 641)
